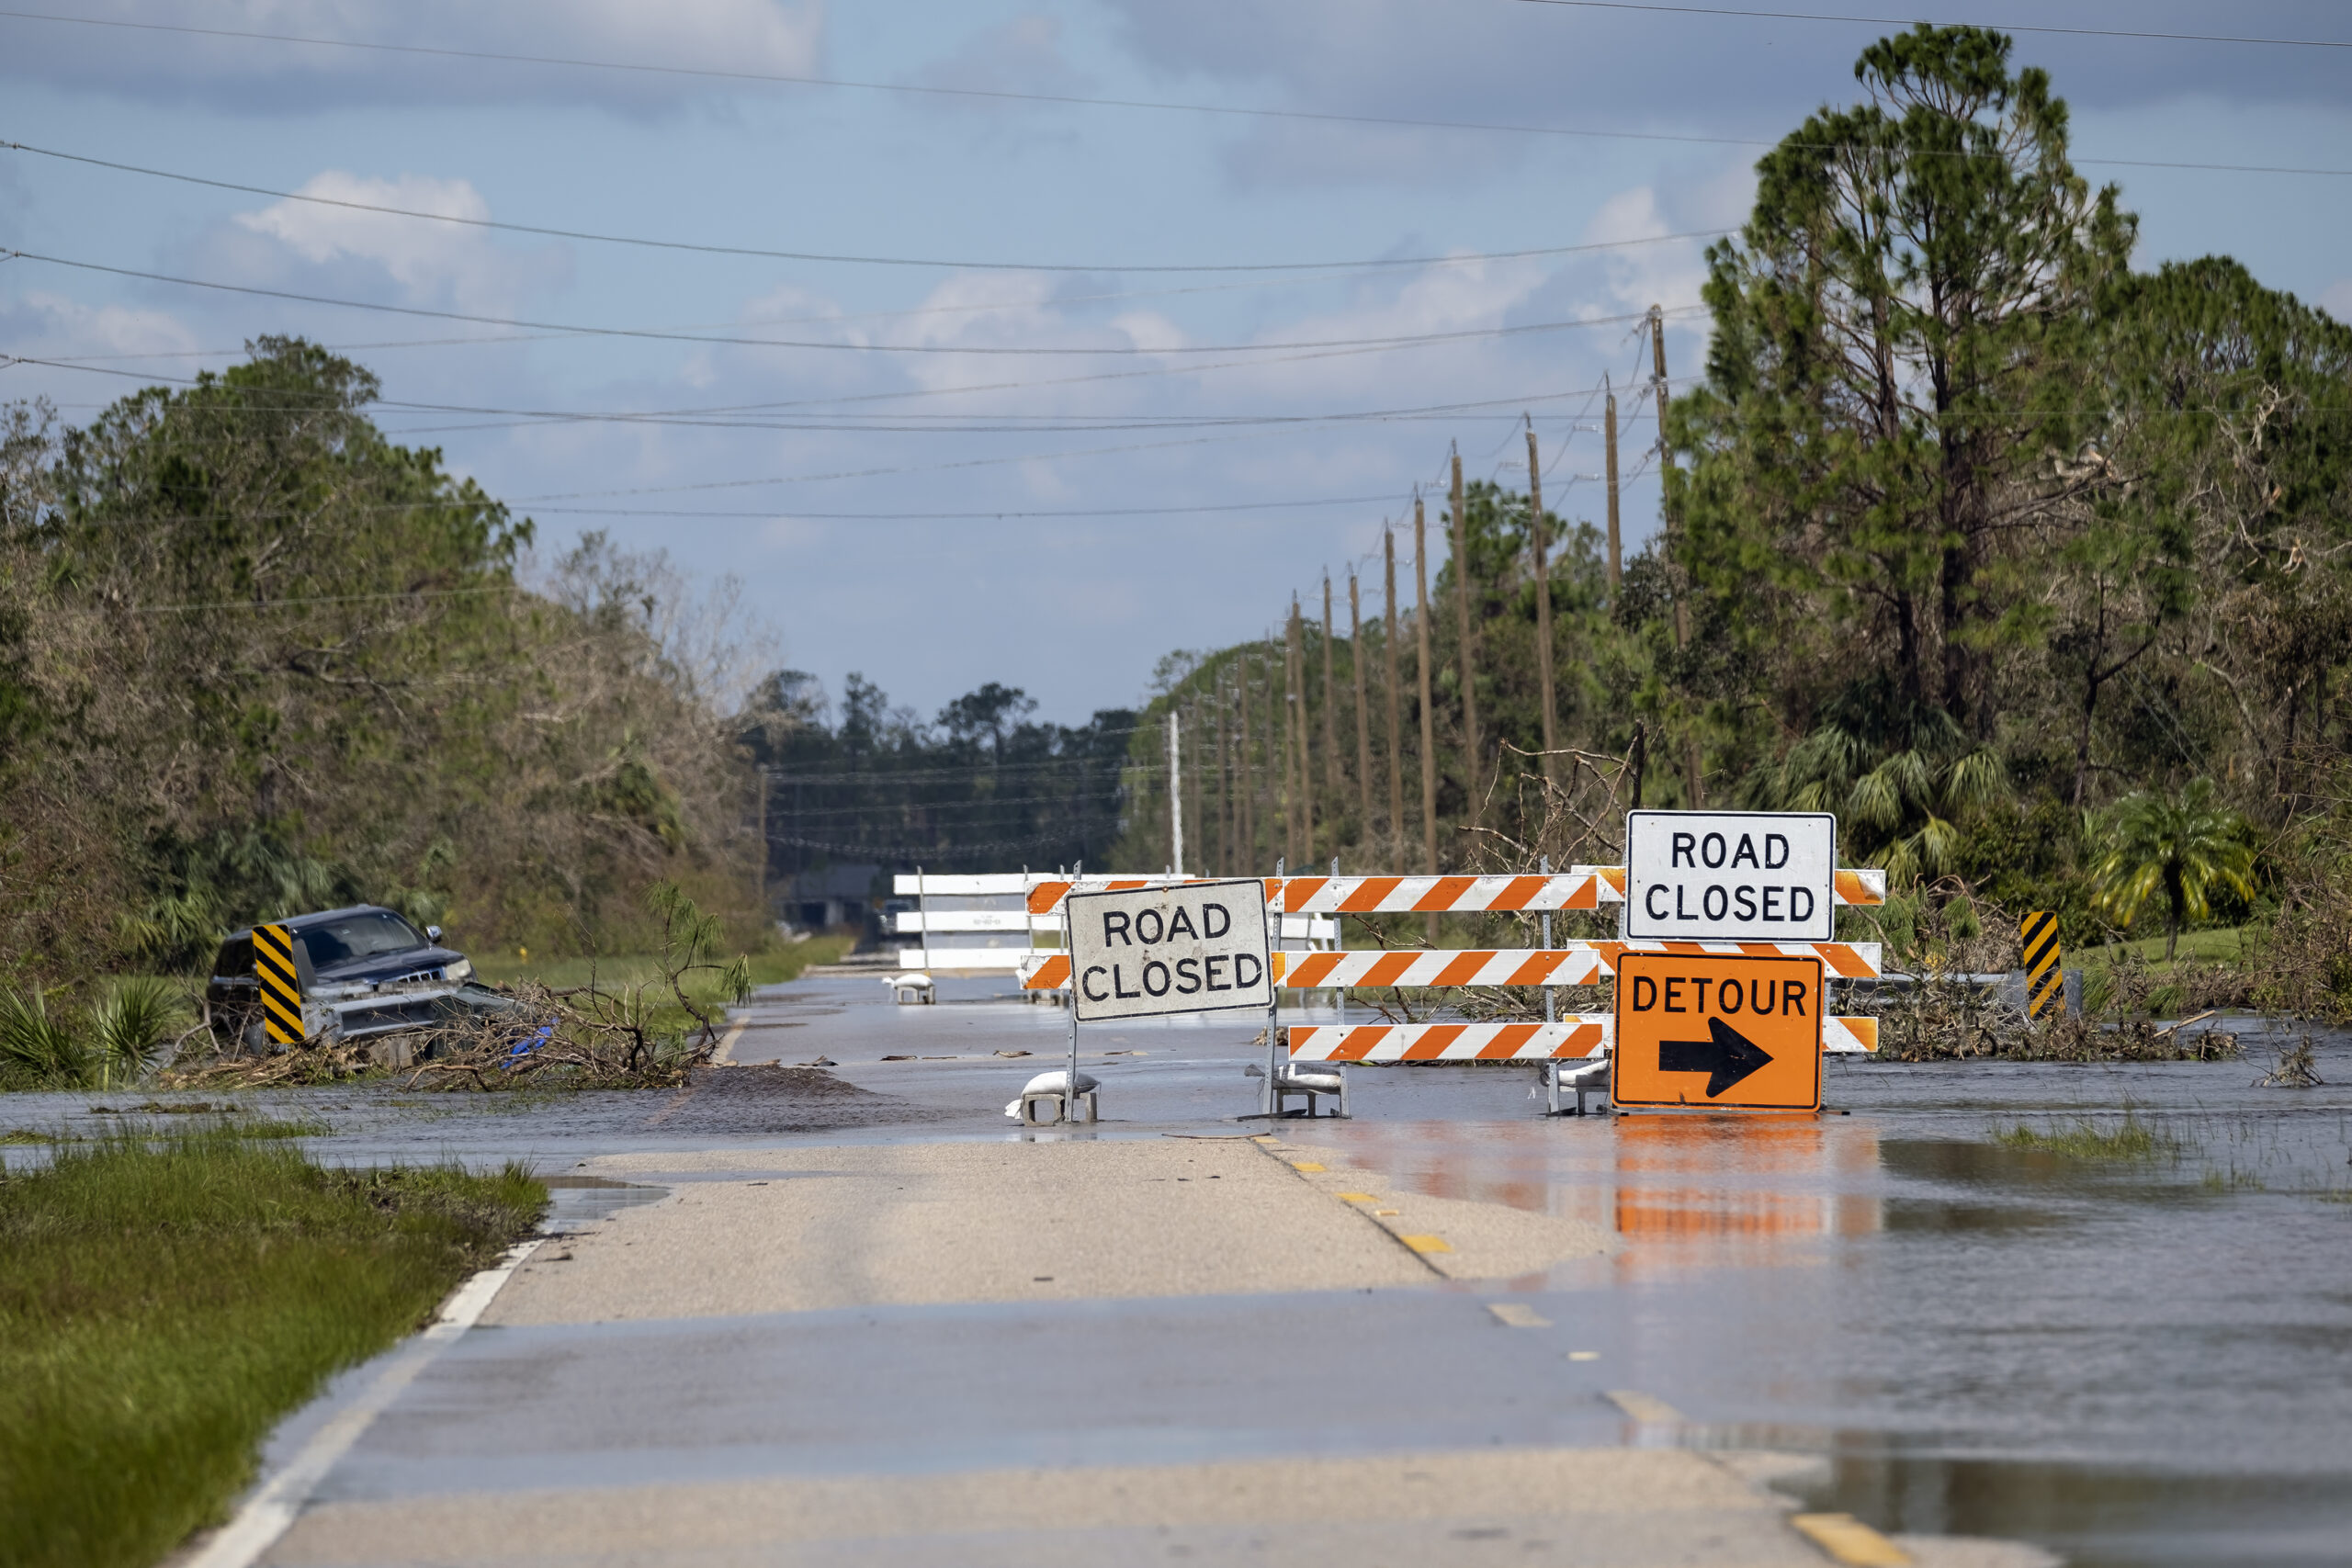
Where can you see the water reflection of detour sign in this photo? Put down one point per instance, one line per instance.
(1702, 1030)
(1194, 947)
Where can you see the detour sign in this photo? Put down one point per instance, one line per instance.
(1703, 1030)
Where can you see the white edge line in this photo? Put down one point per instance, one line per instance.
(271, 1510)
(725, 1052)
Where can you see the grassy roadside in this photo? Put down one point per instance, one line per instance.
(163, 1301)
(773, 967)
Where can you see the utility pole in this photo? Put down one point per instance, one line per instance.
(1396, 699)
(1175, 790)
(1542, 603)
(1429, 740)
(1246, 780)
(1221, 859)
(1295, 741)
(1616, 549)
(1333, 793)
(1469, 646)
(1694, 783)
(1363, 715)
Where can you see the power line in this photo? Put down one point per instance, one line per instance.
(1909, 21)
(697, 417)
(714, 73)
(709, 249)
(1399, 341)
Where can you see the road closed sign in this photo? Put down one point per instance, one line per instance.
(1730, 876)
(1193, 947)
(1703, 1030)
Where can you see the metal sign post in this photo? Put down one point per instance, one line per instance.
(1069, 1085)
(1271, 1099)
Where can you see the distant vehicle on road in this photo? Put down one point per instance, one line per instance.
(365, 970)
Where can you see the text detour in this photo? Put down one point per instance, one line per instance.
(1193, 947)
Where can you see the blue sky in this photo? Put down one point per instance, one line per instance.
(1147, 444)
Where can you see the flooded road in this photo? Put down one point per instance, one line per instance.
(2105, 1309)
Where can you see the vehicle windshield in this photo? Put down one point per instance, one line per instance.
(359, 936)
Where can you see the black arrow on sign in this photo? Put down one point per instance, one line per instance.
(1729, 1056)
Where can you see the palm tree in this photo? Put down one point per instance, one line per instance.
(2185, 845)
(1898, 776)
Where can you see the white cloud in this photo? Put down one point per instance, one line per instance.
(428, 262)
(42, 325)
(776, 37)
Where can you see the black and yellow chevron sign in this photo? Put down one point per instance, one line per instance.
(2045, 981)
(281, 985)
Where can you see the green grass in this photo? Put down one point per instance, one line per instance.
(164, 1301)
(772, 967)
(2087, 1139)
(2222, 943)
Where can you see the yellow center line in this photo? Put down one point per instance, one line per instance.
(1848, 1540)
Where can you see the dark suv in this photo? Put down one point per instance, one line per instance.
(363, 970)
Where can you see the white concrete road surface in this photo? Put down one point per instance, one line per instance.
(927, 1337)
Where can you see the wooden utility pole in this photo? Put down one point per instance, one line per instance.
(1396, 698)
(1429, 737)
(1616, 548)
(1363, 714)
(1333, 791)
(1247, 778)
(1298, 840)
(1693, 779)
(1223, 820)
(1542, 602)
(1468, 643)
(1666, 468)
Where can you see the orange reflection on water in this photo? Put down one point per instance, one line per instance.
(1680, 1190)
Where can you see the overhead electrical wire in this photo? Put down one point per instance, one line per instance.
(2045, 29)
(786, 79)
(1464, 258)
(696, 418)
(1131, 350)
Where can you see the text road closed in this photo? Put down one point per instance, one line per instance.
(1194, 947)
(1730, 876)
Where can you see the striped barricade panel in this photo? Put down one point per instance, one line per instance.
(1849, 1036)
(1045, 894)
(1577, 1035)
(1573, 966)
(1582, 887)
(1864, 887)
(1572, 963)
(1576, 963)
(1574, 1036)
(1839, 960)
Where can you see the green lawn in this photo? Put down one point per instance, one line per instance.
(163, 1301)
(778, 964)
(2224, 943)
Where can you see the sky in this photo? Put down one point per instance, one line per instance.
(1019, 388)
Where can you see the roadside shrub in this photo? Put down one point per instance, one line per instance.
(40, 1049)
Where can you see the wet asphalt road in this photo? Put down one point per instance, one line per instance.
(2126, 1362)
